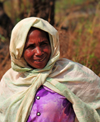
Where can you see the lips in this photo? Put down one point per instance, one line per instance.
(40, 60)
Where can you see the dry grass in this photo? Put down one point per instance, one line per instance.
(80, 42)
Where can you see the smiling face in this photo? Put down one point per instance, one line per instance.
(37, 49)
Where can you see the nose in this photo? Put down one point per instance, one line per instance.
(38, 51)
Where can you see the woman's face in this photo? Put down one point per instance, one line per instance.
(37, 49)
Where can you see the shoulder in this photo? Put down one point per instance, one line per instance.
(9, 74)
(74, 67)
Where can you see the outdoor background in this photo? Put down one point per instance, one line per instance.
(77, 21)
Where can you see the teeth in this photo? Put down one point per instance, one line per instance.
(40, 60)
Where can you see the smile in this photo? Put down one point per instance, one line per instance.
(39, 60)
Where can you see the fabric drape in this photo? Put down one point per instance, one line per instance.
(19, 84)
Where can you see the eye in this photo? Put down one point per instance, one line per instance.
(44, 43)
(31, 46)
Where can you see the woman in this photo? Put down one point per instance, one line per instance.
(40, 87)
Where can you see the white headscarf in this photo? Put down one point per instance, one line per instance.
(20, 83)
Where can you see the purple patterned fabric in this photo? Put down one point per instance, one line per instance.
(50, 106)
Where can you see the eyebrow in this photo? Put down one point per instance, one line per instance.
(45, 40)
(30, 44)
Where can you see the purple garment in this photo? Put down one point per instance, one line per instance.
(50, 106)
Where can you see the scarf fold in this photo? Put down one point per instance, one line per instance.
(19, 84)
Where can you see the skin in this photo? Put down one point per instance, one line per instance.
(37, 49)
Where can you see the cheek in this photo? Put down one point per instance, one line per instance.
(47, 50)
(27, 54)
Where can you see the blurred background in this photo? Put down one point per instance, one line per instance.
(77, 21)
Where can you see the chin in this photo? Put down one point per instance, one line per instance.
(37, 67)
(41, 67)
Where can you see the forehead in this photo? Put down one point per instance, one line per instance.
(36, 36)
(37, 32)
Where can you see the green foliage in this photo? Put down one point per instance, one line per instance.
(2, 38)
(65, 4)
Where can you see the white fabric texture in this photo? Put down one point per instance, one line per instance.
(19, 84)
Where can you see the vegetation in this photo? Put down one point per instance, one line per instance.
(83, 34)
(78, 24)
